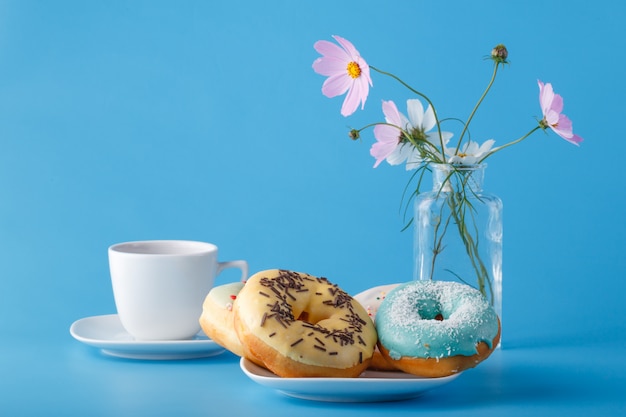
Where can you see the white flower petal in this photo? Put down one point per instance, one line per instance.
(415, 110)
(471, 148)
(400, 154)
(485, 147)
(433, 138)
(405, 123)
(429, 121)
(414, 160)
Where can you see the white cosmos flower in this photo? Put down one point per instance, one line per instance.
(470, 153)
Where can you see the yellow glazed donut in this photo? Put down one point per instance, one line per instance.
(371, 299)
(298, 325)
(217, 316)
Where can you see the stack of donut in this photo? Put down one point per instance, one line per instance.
(298, 325)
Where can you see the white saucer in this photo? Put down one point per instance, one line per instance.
(371, 386)
(106, 332)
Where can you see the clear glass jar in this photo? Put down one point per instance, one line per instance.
(458, 231)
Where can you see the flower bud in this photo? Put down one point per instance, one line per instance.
(354, 134)
(499, 53)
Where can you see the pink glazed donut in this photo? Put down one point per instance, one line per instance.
(371, 299)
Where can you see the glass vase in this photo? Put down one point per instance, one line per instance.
(458, 231)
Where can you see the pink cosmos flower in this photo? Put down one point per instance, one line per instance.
(387, 135)
(346, 71)
(552, 106)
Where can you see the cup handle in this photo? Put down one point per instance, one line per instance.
(242, 265)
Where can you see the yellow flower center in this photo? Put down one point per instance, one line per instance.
(462, 155)
(353, 69)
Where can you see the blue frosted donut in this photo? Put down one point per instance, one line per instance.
(436, 328)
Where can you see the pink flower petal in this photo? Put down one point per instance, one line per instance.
(329, 66)
(347, 46)
(551, 117)
(381, 150)
(392, 115)
(387, 141)
(564, 128)
(544, 101)
(575, 139)
(331, 50)
(336, 85)
(557, 103)
(353, 98)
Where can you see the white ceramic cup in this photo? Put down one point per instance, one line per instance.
(159, 286)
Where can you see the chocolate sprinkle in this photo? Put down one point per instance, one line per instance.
(280, 291)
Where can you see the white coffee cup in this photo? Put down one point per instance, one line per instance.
(159, 286)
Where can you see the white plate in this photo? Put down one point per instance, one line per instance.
(106, 332)
(371, 386)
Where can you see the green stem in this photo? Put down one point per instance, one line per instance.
(374, 125)
(472, 244)
(471, 116)
(510, 143)
(438, 241)
(461, 212)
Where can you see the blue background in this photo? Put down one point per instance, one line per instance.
(128, 120)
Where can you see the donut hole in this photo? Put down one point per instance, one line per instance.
(429, 309)
(304, 316)
(312, 314)
(310, 317)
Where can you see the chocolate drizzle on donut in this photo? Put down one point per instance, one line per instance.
(281, 290)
